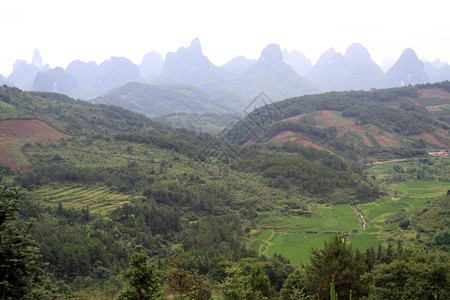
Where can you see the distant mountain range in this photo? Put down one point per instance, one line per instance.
(280, 74)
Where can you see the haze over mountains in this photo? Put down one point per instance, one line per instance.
(280, 74)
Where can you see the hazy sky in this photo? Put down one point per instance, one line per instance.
(95, 30)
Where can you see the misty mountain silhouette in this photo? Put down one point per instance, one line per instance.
(298, 61)
(354, 70)
(238, 64)
(408, 69)
(272, 75)
(279, 74)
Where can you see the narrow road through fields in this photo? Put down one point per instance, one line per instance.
(267, 244)
(390, 161)
(360, 216)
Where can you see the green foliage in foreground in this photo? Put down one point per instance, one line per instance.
(336, 262)
(140, 278)
(22, 274)
(239, 274)
(193, 210)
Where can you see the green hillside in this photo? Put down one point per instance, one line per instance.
(204, 208)
(154, 101)
(364, 126)
(210, 123)
(71, 116)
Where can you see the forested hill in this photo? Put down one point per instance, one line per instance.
(71, 116)
(111, 183)
(88, 122)
(387, 122)
(155, 101)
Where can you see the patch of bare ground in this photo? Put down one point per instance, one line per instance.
(414, 101)
(306, 143)
(11, 156)
(434, 108)
(294, 118)
(18, 132)
(282, 137)
(249, 142)
(383, 138)
(291, 136)
(432, 139)
(442, 133)
(367, 141)
(434, 93)
(33, 130)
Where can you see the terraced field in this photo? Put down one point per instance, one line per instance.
(294, 236)
(99, 200)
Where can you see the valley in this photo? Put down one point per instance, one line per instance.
(367, 225)
(277, 185)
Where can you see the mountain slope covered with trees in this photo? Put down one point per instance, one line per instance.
(117, 188)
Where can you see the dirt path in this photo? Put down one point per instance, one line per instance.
(389, 161)
(267, 244)
(361, 216)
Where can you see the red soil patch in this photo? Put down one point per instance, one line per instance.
(327, 119)
(294, 118)
(383, 138)
(356, 128)
(33, 130)
(18, 133)
(249, 142)
(380, 140)
(367, 141)
(326, 113)
(431, 139)
(442, 133)
(387, 140)
(291, 136)
(284, 135)
(8, 156)
(433, 108)
(434, 93)
(375, 128)
(414, 101)
(281, 138)
(305, 143)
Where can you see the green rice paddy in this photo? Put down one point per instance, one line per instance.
(294, 236)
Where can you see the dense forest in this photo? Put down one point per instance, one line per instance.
(128, 208)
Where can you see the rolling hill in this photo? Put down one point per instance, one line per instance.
(155, 101)
(389, 122)
(102, 180)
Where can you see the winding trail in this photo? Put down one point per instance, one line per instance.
(361, 216)
(267, 244)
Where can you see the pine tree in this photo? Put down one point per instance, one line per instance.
(140, 278)
(336, 261)
(21, 271)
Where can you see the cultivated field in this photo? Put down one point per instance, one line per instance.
(294, 236)
(15, 133)
(98, 200)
